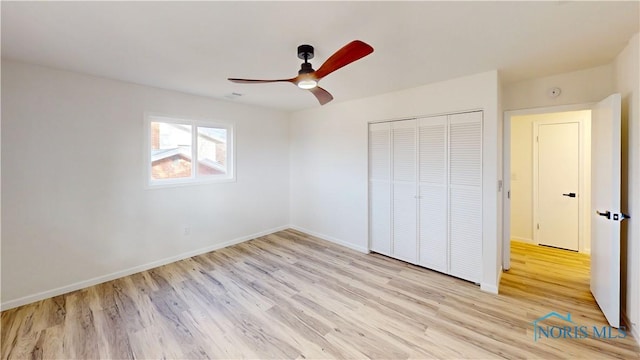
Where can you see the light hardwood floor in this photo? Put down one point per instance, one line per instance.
(289, 295)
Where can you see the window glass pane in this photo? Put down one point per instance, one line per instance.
(170, 150)
(212, 151)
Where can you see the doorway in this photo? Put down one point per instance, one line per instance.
(549, 183)
(601, 222)
(533, 216)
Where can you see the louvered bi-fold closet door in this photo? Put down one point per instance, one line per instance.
(404, 221)
(380, 188)
(465, 195)
(432, 193)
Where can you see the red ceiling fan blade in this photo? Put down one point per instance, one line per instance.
(321, 94)
(251, 81)
(349, 53)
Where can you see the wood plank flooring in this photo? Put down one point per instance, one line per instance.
(289, 295)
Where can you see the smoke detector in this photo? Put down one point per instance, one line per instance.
(554, 92)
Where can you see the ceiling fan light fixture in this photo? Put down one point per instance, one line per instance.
(307, 84)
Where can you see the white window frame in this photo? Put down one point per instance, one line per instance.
(194, 179)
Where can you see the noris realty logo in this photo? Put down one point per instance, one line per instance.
(572, 330)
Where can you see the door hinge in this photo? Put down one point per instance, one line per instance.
(538, 226)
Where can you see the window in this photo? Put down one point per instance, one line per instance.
(184, 151)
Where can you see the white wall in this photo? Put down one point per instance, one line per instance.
(75, 208)
(522, 173)
(329, 160)
(584, 86)
(627, 83)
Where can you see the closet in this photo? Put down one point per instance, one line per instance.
(425, 192)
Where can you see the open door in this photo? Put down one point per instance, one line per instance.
(605, 207)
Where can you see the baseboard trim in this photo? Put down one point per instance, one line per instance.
(491, 288)
(130, 271)
(521, 239)
(361, 249)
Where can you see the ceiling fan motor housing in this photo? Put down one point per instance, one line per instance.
(305, 68)
(305, 52)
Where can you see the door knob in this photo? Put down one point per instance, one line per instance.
(570, 194)
(606, 214)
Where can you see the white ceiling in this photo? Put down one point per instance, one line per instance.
(194, 46)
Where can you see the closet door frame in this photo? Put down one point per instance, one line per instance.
(477, 278)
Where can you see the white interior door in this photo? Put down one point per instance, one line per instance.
(432, 195)
(380, 188)
(404, 191)
(605, 203)
(558, 179)
(465, 196)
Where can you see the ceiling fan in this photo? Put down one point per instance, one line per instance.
(308, 77)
